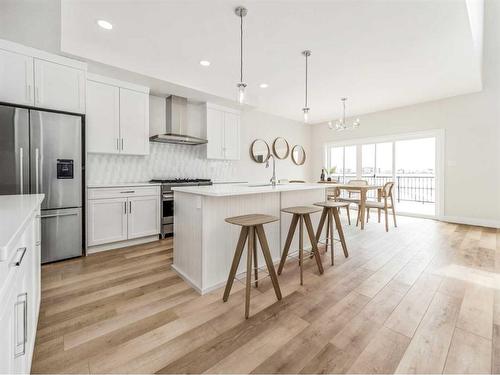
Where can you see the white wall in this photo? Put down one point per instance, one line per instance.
(167, 160)
(472, 136)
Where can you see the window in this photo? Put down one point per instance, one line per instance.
(342, 163)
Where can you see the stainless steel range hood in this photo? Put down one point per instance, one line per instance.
(176, 124)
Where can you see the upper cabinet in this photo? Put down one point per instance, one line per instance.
(223, 133)
(16, 78)
(36, 78)
(117, 119)
(59, 87)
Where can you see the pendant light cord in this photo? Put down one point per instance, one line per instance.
(241, 47)
(306, 80)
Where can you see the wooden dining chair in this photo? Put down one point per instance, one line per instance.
(354, 196)
(386, 203)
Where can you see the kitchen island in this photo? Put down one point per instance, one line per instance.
(204, 243)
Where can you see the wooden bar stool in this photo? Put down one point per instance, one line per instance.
(301, 215)
(251, 225)
(330, 213)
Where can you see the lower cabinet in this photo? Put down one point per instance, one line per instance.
(122, 214)
(20, 302)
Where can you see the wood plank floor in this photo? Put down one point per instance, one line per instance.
(423, 298)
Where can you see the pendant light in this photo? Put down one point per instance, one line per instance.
(241, 12)
(306, 109)
(341, 123)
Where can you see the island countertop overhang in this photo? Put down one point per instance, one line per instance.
(245, 189)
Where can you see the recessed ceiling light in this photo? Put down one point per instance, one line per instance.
(205, 63)
(263, 85)
(105, 24)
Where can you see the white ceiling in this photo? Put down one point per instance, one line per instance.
(380, 54)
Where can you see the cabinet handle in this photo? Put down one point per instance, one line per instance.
(125, 207)
(129, 207)
(21, 174)
(19, 260)
(122, 144)
(37, 96)
(127, 192)
(37, 162)
(22, 344)
(117, 144)
(28, 94)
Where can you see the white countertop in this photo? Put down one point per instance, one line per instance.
(122, 184)
(15, 211)
(224, 190)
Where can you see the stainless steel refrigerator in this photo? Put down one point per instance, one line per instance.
(41, 152)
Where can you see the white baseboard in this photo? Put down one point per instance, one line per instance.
(119, 244)
(471, 221)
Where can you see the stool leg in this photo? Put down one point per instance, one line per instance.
(327, 233)
(314, 243)
(330, 224)
(338, 224)
(236, 262)
(268, 259)
(348, 215)
(255, 262)
(321, 224)
(288, 242)
(301, 249)
(251, 245)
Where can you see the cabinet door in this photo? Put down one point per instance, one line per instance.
(134, 122)
(16, 78)
(106, 221)
(59, 87)
(8, 309)
(103, 118)
(215, 134)
(143, 216)
(231, 136)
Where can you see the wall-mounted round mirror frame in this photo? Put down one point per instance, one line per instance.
(295, 158)
(263, 155)
(281, 148)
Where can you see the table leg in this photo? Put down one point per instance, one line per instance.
(362, 201)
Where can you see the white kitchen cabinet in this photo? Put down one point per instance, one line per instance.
(143, 214)
(107, 220)
(103, 118)
(117, 117)
(16, 78)
(121, 214)
(134, 122)
(223, 133)
(59, 87)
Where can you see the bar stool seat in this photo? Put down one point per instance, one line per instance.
(331, 213)
(251, 227)
(301, 215)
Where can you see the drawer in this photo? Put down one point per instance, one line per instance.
(128, 191)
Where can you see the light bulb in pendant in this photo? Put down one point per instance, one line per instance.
(241, 92)
(306, 114)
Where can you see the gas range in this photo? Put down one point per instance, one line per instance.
(167, 199)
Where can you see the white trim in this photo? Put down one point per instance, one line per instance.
(221, 108)
(114, 82)
(387, 138)
(471, 221)
(41, 55)
(120, 244)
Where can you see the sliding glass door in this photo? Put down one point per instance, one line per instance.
(409, 162)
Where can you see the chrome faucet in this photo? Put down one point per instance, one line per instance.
(273, 179)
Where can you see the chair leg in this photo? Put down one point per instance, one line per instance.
(314, 244)
(378, 209)
(340, 231)
(288, 242)
(367, 214)
(255, 261)
(359, 216)
(251, 245)
(330, 224)
(386, 220)
(236, 262)
(301, 249)
(394, 216)
(348, 215)
(268, 259)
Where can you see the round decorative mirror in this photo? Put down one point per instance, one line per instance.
(298, 155)
(281, 149)
(259, 150)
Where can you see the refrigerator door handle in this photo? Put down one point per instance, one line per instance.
(59, 215)
(21, 179)
(37, 160)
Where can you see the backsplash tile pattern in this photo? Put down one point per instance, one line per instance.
(165, 160)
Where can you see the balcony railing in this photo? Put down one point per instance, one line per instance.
(407, 188)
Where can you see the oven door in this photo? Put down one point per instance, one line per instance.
(168, 208)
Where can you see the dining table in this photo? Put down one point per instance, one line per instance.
(363, 190)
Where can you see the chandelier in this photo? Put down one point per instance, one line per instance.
(341, 123)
